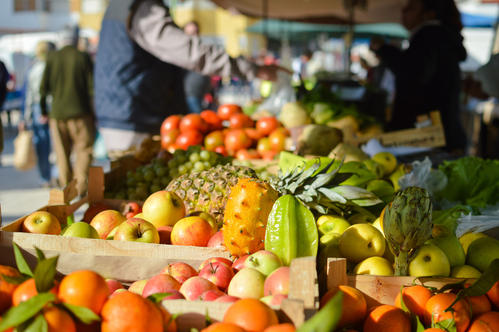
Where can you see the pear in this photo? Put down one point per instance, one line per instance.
(482, 252)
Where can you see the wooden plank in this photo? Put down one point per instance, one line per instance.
(336, 271)
(303, 283)
(193, 313)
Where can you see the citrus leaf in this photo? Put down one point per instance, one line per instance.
(448, 325)
(25, 310)
(194, 329)
(45, 273)
(84, 315)
(70, 220)
(15, 280)
(21, 263)
(454, 286)
(327, 318)
(419, 326)
(207, 319)
(158, 297)
(39, 324)
(402, 302)
(40, 254)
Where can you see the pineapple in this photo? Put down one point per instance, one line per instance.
(208, 190)
(246, 213)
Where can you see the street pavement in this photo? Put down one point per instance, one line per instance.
(20, 192)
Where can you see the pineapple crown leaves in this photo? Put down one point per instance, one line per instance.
(27, 316)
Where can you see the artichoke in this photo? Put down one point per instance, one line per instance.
(407, 225)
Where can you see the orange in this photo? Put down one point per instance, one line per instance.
(170, 324)
(223, 327)
(478, 305)
(487, 322)
(27, 290)
(58, 320)
(437, 304)
(286, 327)
(251, 314)
(415, 298)
(84, 288)
(127, 311)
(6, 288)
(493, 295)
(387, 318)
(434, 329)
(354, 305)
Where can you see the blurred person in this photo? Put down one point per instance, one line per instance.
(139, 67)
(195, 84)
(33, 117)
(427, 74)
(4, 79)
(68, 78)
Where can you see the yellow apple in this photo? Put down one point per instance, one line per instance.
(468, 238)
(359, 218)
(42, 222)
(387, 160)
(361, 241)
(452, 248)
(379, 226)
(332, 224)
(429, 261)
(465, 271)
(482, 252)
(376, 266)
(163, 208)
(329, 247)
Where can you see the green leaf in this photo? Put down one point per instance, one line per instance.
(70, 219)
(194, 329)
(21, 263)
(39, 324)
(25, 310)
(45, 273)
(448, 325)
(207, 319)
(402, 302)
(39, 254)
(419, 326)
(84, 315)
(15, 280)
(158, 297)
(327, 318)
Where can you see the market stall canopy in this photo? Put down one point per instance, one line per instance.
(277, 29)
(377, 11)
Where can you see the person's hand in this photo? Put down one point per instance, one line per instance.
(376, 43)
(269, 73)
(43, 119)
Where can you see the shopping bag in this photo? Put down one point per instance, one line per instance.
(24, 151)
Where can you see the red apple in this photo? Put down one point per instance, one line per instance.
(211, 295)
(160, 283)
(113, 285)
(227, 298)
(218, 273)
(119, 290)
(132, 209)
(174, 295)
(192, 231)
(164, 234)
(193, 287)
(238, 264)
(105, 221)
(163, 208)
(42, 222)
(93, 210)
(138, 286)
(277, 282)
(138, 230)
(180, 271)
(216, 240)
(273, 300)
(226, 261)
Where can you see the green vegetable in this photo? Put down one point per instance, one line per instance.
(327, 318)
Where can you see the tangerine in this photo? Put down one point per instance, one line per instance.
(436, 310)
(27, 290)
(434, 329)
(387, 318)
(58, 320)
(286, 327)
(84, 288)
(415, 298)
(478, 304)
(487, 322)
(354, 305)
(169, 322)
(223, 327)
(127, 311)
(251, 315)
(6, 288)
(493, 295)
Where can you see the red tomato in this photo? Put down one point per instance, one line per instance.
(244, 154)
(253, 133)
(225, 111)
(240, 121)
(170, 123)
(169, 138)
(221, 149)
(236, 139)
(193, 122)
(212, 119)
(213, 139)
(188, 138)
(267, 125)
(277, 140)
(263, 145)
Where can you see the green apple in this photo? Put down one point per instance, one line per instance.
(332, 224)
(81, 229)
(376, 266)
(360, 218)
(429, 261)
(465, 271)
(387, 160)
(468, 238)
(138, 230)
(329, 247)
(452, 248)
(247, 283)
(361, 241)
(382, 189)
(482, 252)
(263, 261)
(374, 168)
(329, 238)
(110, 236)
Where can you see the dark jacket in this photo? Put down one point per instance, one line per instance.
(428, 78)
(4, 78)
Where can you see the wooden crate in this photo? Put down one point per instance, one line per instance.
(377, 289)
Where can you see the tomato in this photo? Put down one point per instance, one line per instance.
(225, 111)
(213, 139)
(170, 123)
(240, 121)
(244, 154)
(277, 140)
(221, 149)
(189, 138)
(236, 139)
(267, 125)
(212, 119)
(263, 145)
(253, 133)
(169, 138)
(193, 122)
